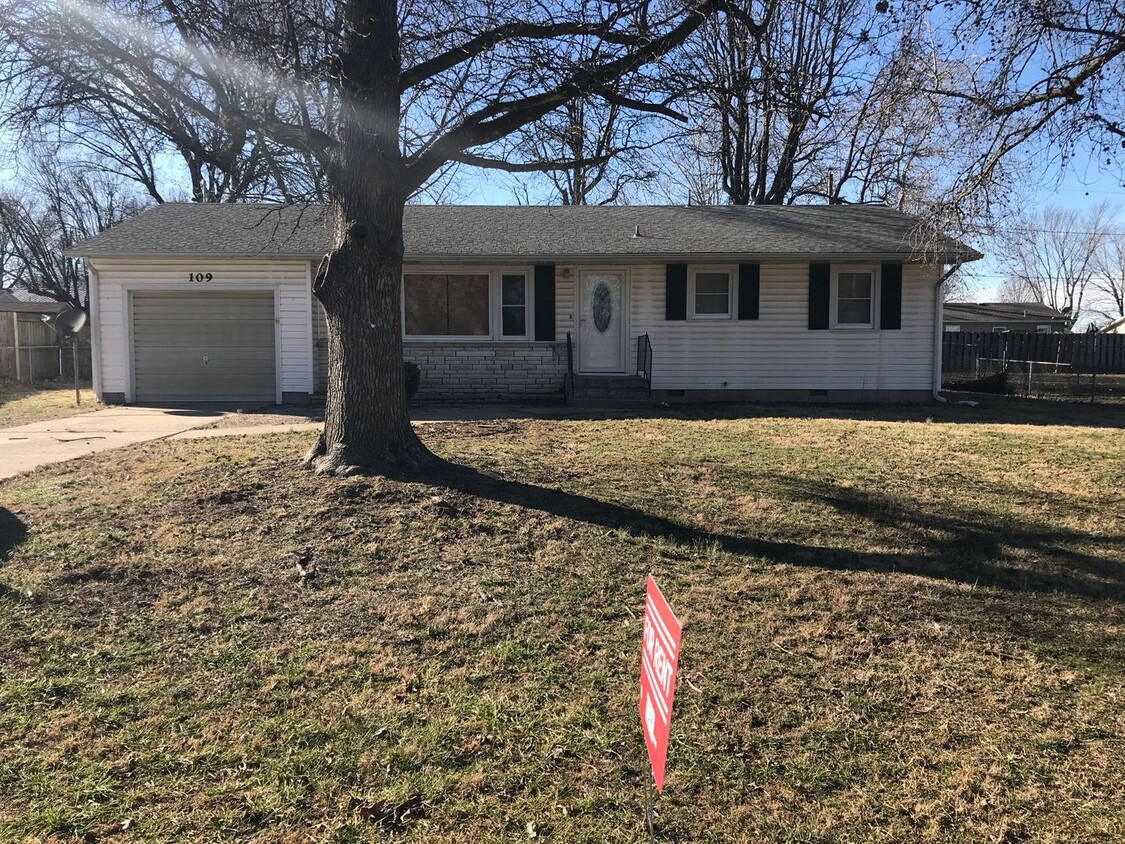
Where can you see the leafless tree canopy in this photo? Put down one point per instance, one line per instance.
(1109, 280)
(1055, 256)
(56, 206)
(1035, 72)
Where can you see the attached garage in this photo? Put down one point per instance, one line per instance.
(204, 346)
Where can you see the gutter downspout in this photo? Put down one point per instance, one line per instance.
(92, 293)
(938, 332)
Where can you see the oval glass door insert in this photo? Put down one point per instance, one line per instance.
(602, 306)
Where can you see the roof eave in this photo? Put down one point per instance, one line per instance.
(563, 258)
(195, 256)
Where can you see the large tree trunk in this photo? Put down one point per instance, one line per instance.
(366, 423)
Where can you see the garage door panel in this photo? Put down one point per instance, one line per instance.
(149, 338)
(208, 346)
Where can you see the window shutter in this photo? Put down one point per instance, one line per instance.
(820, 280)
(544, 301)
(749, 285)
(890, 297)
(675, 291)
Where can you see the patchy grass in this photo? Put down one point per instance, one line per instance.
(895, 630)
(21, 404)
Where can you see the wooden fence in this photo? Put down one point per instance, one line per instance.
(984, 353)
(31, 351)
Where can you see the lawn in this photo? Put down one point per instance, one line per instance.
(899, 626)
(21, 404)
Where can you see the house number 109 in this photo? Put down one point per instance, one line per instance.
(200, 278)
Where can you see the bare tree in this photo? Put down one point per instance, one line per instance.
(60, 203)
(382, 96)
(814, 110)
(1108, 282)
(604, 143)
(1041, 74)
(1053, 257)
(133, 121)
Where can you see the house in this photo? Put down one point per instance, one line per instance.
(214, 302)
(1005, 316)
(1115, 327)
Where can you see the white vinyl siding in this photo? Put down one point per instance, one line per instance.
(289, 280)
(778, 351)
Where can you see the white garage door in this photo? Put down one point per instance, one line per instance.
(213, 346)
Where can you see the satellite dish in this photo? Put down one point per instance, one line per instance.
(71, 321)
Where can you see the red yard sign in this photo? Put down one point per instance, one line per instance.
(659, 654)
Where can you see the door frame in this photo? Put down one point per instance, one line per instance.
(626, 292)
(129, 290)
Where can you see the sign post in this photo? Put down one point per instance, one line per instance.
(660, 652)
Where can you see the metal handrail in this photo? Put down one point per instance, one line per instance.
(569, 355)
(644, 358)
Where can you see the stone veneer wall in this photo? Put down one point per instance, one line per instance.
(488, 371)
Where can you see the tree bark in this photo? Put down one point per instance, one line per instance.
(367, 423)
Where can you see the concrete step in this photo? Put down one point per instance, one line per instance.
(610, 393)
(624, 382)
(611, 404)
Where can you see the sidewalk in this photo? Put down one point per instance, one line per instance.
(40, 443)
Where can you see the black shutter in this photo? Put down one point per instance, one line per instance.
(544, 301)
(675, 291)
(749, 284)
(820, 276)
(890, 297)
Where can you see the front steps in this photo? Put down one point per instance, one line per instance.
(609, 391)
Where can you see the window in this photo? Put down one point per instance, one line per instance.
(953, 328)
(854, 298)
(466, 304)
(513, 304)
(446, 305)
(1044, 329)
(710, 294)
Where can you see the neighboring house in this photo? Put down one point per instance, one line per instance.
(214, 302)
(1005, 316)
(1115, 327)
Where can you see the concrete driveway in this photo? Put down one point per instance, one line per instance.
(40, 443)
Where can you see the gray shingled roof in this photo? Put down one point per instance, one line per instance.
(449, 232)
(999, 312)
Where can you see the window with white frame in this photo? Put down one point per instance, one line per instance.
(710, 293)
(953, 329)
(466, 304)
(853, 295)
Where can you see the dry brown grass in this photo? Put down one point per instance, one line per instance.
(22, 404)
(895, 630)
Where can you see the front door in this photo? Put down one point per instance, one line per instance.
(601, 328)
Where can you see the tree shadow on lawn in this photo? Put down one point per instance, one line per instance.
(957, 545)
(991, 410)
(12, 532)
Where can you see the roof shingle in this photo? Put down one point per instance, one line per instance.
(448, 232)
